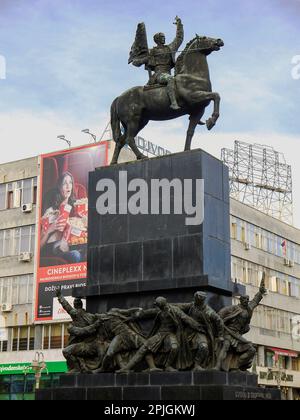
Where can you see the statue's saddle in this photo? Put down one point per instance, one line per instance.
(152, 86)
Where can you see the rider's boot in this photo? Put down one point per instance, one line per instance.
(172, 95)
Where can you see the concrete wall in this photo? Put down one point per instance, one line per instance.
(12, 218)
(265, 338)
(15, 171)
(258, 218)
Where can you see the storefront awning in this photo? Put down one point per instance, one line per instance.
(281, 352)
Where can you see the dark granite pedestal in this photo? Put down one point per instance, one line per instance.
(177, 386)
(133, 258)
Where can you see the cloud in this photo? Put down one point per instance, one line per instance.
(26, 134)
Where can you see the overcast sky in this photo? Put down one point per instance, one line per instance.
(66, 60)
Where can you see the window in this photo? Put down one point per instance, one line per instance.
(16, 290)
(23, 338)
(25, 239)
(233, 228)
(246, 272)
(22, 387)
(3, 346)
(270, 359)
(8, 237)
(27, 196)
(15, 241)
(35, 191)
(296, 364)
(2, 196)
(5, 290)
(10, 200)
(15, 194)
(294, 288)
(54, 336)
(261, 239)
(4, 384)
(275, 320)
(258, 240)
(273, 284)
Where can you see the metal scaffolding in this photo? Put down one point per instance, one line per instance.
(261, 178)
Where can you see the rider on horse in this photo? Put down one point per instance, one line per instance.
(161, 60)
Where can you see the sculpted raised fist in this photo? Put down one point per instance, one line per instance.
(177, 20)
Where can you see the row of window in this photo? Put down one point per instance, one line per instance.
(283, 361)
(246, 272)
(16, 290)
(264, 240)
(15, 241)
(274, 319)
(15, 194)
(54, 336)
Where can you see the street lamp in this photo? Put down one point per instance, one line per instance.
(87, 131)
(38, 366)
(279, 374)
(66, 140)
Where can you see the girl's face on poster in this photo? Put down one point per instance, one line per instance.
(67, 188)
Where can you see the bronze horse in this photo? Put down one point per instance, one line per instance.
(137, 106)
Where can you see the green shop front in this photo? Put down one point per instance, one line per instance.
(18, 382)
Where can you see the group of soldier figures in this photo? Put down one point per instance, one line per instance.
(188, 336)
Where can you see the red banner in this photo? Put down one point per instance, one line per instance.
(63, 223)
(63, 272)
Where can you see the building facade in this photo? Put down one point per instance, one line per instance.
(260, 244)
(21, 339)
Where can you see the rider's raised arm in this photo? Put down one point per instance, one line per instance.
(179, 36)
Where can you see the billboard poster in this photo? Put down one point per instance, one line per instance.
(62, 227)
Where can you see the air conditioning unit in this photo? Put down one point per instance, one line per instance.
(6, 307)
(25, 257)
(247, 246)
(287, 262)
(27, 208)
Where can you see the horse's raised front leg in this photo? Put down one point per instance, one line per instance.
(211, 122)
(194, 120)
(207, 97)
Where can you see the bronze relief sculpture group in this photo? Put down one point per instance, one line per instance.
(187, 336)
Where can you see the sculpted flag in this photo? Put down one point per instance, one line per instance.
(139, 49)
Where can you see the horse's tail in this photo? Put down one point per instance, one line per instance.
(115, 122)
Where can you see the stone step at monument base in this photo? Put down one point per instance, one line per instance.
(160, 386)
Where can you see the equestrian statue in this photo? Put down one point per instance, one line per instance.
(166, 97)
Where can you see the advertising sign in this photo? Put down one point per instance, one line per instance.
(63, 221)
(21, 368)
